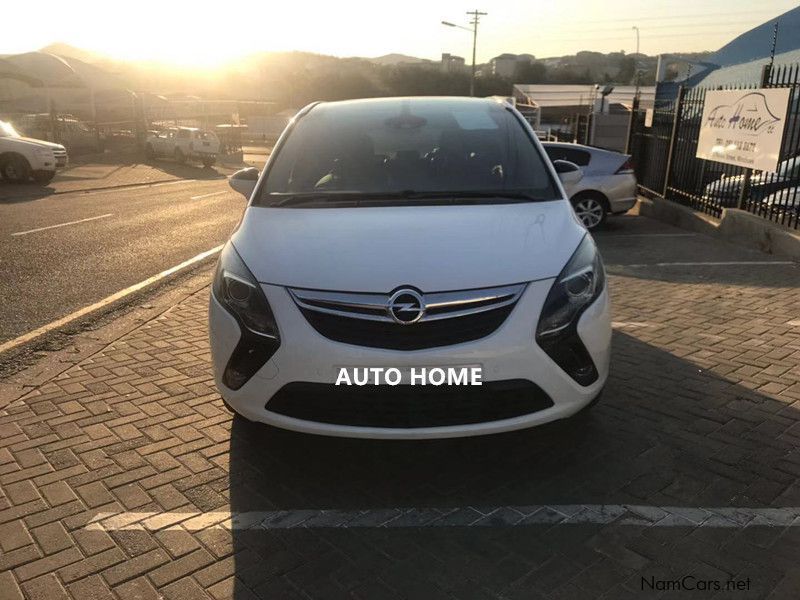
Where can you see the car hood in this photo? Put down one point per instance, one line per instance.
(37, 143)
(433, 248)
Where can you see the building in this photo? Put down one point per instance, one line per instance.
(451, 63)
(740, 61)
(581, 112)
(506, 65)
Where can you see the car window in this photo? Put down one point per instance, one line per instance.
(184, 134)
(401, 145)
(574, 155)
(579, 157)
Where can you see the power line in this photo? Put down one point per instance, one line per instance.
(627, 36)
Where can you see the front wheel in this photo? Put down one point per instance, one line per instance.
(209, 162)
(15, 169)
(590, 210)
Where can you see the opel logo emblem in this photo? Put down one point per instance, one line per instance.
(406, 306)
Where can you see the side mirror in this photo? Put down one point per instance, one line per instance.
(244, 181)
(568, 172)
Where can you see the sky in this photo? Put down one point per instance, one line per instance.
(200, 33)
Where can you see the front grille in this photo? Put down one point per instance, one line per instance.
(447, 317)
(406, 406)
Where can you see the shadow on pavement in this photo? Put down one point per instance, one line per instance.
(665, 434)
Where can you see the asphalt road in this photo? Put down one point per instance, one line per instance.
(63, 252)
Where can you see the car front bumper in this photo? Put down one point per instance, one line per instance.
(510, 353)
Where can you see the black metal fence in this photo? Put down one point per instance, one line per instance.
(666, 166)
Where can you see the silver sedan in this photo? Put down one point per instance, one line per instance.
(608, 185)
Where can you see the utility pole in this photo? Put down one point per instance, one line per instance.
(635, 65)
(476, 17)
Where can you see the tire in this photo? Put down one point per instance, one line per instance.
(15, 169)
(180, 157)
(44, 177)
(209, 162)
(591, 209)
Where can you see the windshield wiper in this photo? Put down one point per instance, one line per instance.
(368, 197)
(312, 197)
(466, 194)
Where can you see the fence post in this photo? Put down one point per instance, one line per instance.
(588, 133)
(632, 123)
(744, 191)
(671, 154)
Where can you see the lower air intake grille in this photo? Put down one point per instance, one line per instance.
(406, 407)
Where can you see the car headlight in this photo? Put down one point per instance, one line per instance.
(578, 285)
(239, 293)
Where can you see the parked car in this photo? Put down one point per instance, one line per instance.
(409, 234)
(182, 143)
(725, 191)
(608, 185)
(786, 201)
(23, 158)
(75, 135)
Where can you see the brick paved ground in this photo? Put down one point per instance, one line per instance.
(702, 409)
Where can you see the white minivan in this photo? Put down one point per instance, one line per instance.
(409, 268)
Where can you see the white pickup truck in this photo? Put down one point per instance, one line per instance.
(24, 158)
(182, 143)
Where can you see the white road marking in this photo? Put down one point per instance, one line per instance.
(27, 337)
(495, 516)
(630, 324)
(712, 264)
(209, 195)
(19, 233)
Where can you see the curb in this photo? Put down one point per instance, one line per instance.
(735, 226)
(107, 187)
(105, 303)
(81, 345)
(75, 344)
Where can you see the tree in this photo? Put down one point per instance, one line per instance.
(530, 72)
(627, 69)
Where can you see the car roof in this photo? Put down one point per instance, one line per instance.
(418, 101)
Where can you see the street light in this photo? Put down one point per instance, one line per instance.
(476, 15)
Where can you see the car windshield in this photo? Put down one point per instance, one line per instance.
(6, 130)
(380, 150)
